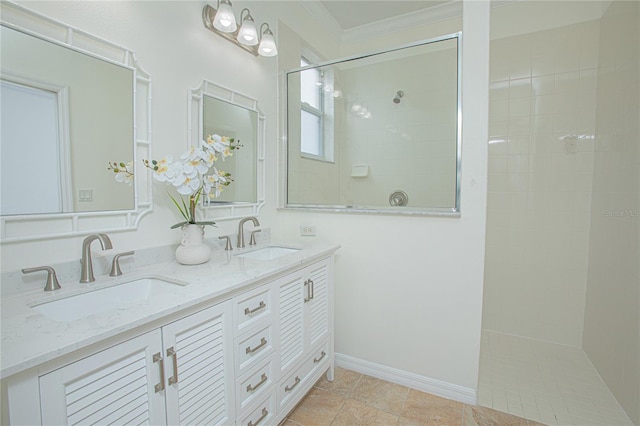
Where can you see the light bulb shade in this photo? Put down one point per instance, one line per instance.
(225, 20)
(267, 44)
(248, 35)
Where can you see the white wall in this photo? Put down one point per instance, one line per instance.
(612, 317)
(408, 289)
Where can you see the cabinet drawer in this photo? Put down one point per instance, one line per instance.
(261, 414)
(253, 307)
(297, 381)
(253, 348)
(254, 385)
(290, 387)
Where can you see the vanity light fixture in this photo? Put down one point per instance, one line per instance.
(223, 22)
(267, 43)
(248, 34)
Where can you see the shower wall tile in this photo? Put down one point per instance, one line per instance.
(612, 315)
(542, 113)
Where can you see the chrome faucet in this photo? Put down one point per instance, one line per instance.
(241, 229)
(86, 275)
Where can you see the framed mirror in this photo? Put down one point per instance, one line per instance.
(89, 105)
(214, 109)
(377, 133)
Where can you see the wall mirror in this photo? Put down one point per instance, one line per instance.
(378, 133)
(71, 102)
(214, 109)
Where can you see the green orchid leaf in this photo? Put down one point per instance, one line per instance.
(207, 223)
(182, 212)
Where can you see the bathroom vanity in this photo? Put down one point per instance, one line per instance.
(238, 340)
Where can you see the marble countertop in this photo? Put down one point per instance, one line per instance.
(30, 338)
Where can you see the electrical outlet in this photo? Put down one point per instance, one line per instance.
(308, 230)
(85, 195)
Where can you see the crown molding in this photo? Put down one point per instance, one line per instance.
(323, 17)
(437, 13)
(441, 12)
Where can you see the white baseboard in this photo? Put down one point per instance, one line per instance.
(405, 378)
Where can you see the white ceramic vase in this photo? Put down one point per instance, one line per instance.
(192, 249)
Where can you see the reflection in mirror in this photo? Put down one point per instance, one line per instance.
(67, 118)
(71, 103)
(214, 109)
(224, 118)
(377, 133)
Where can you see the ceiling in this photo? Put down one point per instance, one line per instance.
(354, 13)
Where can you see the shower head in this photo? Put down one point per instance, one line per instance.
(399, 94)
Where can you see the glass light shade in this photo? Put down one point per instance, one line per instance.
(225, 20)
(248, 34)
(267, 44)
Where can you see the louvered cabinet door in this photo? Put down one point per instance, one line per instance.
(112, 387)
(198, 353)
(291, 292)
(317, 309)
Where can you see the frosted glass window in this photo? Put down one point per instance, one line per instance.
(310, 87)
(311, 140)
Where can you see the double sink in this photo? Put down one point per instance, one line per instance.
(132, 292)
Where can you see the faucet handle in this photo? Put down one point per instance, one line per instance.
(52, 280)
(252, 240)
(228, 245)
(115, 264)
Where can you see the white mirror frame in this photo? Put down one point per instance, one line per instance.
(196, 105)
(47, 226)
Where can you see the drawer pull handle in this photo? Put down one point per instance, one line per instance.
(157, 357)
(265, 413)
(263, 379)
(171, 352)
(322, 355)
(295, 383)
(248, 311)
(250, 350)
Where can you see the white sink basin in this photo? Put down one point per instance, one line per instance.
(106, 299)
(268, 253)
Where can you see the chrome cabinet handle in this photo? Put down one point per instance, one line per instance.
(295, 383)
(157, 357)
(265, 413)
(312, 286)
(307, 284)
(310, 290)
(171, 352)
(322, 355)
(248, 311)
(263, 379)
(250, 350)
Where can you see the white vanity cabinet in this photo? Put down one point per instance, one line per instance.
(305, 324)
(247, 357)
(91, 390)
(183, 369)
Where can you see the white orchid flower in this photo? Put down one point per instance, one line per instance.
(188, 186)
(167, 170)
(218, 143)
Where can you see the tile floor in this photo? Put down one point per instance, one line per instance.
(356, 399)
(545, 382)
